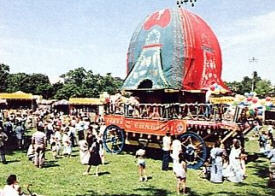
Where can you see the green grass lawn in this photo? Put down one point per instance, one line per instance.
(120, 177)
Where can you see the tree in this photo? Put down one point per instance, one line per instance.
(38, 84)
(67, 91)
(84, 83)
(261, 87)
(4, 73)
(77, 83)
(264, 87)
(55, 87)
(16, 82)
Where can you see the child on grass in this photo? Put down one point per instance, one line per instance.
(141, 164)
(180, 173)
(54, 148)
(67, 145)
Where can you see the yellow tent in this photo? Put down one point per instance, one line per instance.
(17, 95)
(85, 101)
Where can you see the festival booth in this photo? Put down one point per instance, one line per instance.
(61, 106)
(45, 104)
(77, 105)
(19, 100)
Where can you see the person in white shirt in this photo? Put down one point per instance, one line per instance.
(236, 174)
(12, 188)
(166, 140)
(176, 150)
(67, 145)
(39, 142)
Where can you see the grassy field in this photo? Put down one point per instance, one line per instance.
(119, 177)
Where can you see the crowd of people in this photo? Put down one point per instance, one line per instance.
(54, 132)
(60, 133)
(222, 164)
(267, 149)
(54, 129)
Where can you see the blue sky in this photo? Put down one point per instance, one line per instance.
(54, 36)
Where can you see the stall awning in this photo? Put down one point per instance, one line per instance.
(221, 100)
(85, 101)
(16, 96)
(61, 102)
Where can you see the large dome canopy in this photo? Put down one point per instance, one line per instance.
(173, 48)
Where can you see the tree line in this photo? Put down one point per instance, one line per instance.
(84, 83)
(252, 84)
(76, 83)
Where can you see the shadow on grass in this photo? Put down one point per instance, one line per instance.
(229, 193)
(12, 148)
(49, 164)
(150, 152)
(261, 170)
(150, 191)
(252, 157)
(104, 173)
(12, 161)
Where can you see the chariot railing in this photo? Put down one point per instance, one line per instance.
(189, 111)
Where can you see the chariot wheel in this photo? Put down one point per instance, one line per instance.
(194, 149)
(113, 139)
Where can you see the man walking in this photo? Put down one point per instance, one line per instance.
(39, 141)
(166, 140)
(3, 140)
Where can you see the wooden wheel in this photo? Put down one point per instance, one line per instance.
(113, 139)
(194, 149)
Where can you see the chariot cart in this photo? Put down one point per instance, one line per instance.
(173, 64)
(196, 131)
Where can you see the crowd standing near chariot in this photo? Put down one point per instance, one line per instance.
(60, 133)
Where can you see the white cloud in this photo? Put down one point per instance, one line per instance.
(249, 30)
(246, 38)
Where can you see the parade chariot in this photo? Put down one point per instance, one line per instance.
(173, 66)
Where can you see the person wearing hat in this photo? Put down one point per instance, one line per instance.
(3, 140)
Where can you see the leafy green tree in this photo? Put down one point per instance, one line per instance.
(264, 87)
(16, 82)
(77, 83)
(55, 87)
(260, 86)
(76, 76)
(84, 83)
(38, 84)
(46, 90)
(67, 91)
